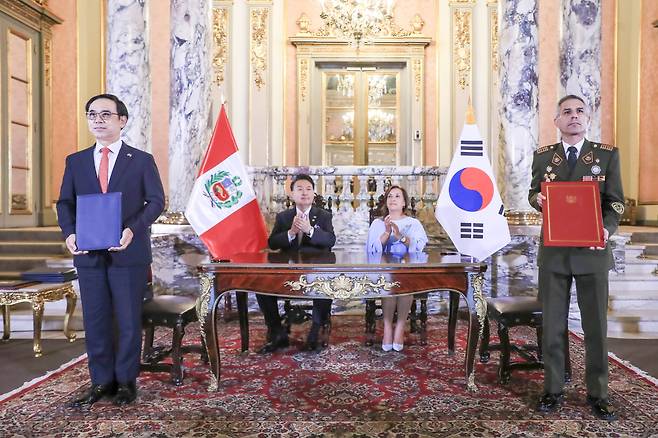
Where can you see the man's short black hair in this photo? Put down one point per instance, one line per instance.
(301, 177)
(122, 111)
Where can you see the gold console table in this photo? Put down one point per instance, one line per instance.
(38, 295)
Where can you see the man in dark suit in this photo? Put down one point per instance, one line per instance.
(113, 281)
(577, 159)
(301, 228)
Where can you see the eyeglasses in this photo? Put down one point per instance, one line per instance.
(104, 115)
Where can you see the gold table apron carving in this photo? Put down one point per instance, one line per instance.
(339, 274)
(37, 295)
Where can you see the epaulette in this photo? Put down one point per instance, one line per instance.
(543, 149)
(607, 147)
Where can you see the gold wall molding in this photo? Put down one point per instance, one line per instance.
(311, 49)
(33, 14)
(389, 28)
(47, 61)
(259, 44)
(36, 15)
(303, 78)
(462, 24)
(220, 29)
(494, 40)
(418, 78)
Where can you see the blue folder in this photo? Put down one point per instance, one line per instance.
(98, 221)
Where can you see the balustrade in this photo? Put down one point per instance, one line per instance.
(350, 192)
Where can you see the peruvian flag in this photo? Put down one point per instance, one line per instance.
(222, 208)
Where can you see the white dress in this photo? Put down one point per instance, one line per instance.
(409, 227)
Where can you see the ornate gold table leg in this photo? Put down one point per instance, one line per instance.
(37, 309)
(71, 299)
(204, 309)
(5, 322)
(476, 284)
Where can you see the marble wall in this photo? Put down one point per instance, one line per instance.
(128, 68)
(190, 123)
(518, 100)
(580, 56)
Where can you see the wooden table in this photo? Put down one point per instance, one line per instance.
(37, 295)
(338, 275)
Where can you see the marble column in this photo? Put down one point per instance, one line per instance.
(580, 56)
(190, 121)
(128, 70)
(519, 120)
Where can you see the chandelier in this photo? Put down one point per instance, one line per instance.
(377, 88)
(358, 21)
(345, 85)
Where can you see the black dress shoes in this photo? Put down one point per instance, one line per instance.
(602, 408)
(279, 340)
(126, 394)
(550, 402)
(95, 393)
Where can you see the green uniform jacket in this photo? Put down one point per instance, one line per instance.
(596, 162)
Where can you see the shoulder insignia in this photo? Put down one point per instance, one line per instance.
(608, 147)
(543, 149)
(588, 158)
(556, 160)
(618, 206)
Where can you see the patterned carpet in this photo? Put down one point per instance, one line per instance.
(346, 390)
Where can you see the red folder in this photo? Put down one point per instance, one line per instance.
(572, 214)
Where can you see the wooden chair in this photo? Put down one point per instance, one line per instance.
(418, 313)
(511, 312)
(175, 312)
(302, 312)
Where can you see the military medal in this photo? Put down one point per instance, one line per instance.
(596, 169)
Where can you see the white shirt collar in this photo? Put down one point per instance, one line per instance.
(114, 147)
(307, 212)
(578, 146)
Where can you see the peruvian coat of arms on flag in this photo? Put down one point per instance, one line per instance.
(223, 209)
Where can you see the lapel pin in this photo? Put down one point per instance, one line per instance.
(129, 155)
(596, 169)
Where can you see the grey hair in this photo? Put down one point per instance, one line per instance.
(569, 97)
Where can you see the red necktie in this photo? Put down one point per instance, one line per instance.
(104, 169)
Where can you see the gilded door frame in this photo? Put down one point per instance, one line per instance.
(312, 50)
(31, 216)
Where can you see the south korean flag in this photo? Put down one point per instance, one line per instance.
(469, 206)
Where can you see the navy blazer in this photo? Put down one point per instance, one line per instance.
(323, 235)
(136, 176)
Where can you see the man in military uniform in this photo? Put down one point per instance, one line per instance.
(577, 159)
